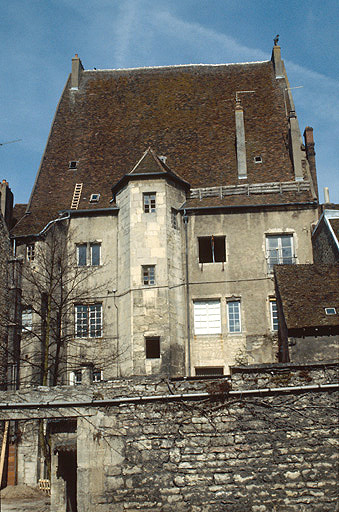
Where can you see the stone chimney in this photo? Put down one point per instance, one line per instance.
(77, 67)
(310, 154)
(6, 203)
(278, 64)
(240, 140)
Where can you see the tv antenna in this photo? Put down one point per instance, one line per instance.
(10, 142)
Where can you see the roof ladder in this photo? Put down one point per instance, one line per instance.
(76, 196)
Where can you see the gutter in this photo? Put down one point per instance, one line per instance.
(169, 397)
(246, 206)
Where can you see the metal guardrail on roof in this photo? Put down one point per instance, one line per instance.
(253, 188)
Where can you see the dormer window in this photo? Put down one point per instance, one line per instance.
(330, 311)
(94, 198)
(73, 164)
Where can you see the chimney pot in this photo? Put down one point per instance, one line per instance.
(326, 195)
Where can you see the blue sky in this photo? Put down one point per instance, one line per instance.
(39, 38)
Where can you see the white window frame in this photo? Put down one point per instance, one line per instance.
(274, 315)
(207, 316)
(75, 377)
(91, 314)
(97, 371)
(234, 324)
(30, 252)
(149, 202)
(279, 257)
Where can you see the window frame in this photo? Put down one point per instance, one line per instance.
(274, 314)
(199, 318)
(146, 275)
(30, 252)
(83, 322)
(86, 259)
(149, 202)
(281, 259)
(230, 320)
(213, 239)
(26, 313)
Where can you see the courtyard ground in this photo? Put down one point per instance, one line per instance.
(21, 498)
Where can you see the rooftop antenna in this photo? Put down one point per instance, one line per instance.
(10, 142)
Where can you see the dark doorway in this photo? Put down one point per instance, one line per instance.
(67, 469)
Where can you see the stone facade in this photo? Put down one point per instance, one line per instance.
(325, 239)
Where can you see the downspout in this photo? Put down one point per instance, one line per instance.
(188, 323)
(117, 332)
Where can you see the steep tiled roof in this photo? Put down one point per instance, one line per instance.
(305, 292)
(335, 226)
(185, 113)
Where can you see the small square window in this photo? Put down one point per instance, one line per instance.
(257, 160)
(73, 164)
(148, 275)
(152, 348)
(212, 249)
(330, 311)
(30, 252)
(149, 202)
(94, 198)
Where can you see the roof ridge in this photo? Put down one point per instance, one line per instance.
(172, 66)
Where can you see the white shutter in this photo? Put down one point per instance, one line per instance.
(207, 318)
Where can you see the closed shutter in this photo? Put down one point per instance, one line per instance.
(207, 317)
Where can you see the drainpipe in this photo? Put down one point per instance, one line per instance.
(117, 332)
(185, 220)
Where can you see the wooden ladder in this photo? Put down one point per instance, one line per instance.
(76, 196)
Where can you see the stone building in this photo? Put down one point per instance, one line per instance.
(176, 189)
(308, 312)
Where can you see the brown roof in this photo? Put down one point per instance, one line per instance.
(305, 292)
(185, 113)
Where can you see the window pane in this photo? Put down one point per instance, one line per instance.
(81, 321)
(149, 202)
(82, 255)
(219, 248)
(148, 275)
(95, 254)
(95, 320)
(234, 324)
(27, 319)
(152, 348)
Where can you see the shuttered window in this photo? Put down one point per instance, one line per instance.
(207, 318)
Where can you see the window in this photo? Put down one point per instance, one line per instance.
(211, 249)
(206, 371)
(97, 375)
(149, 202)
(174, 220)
(88, 254)
(94, 198)
(152, 346)
(330, 311)
(88, 320)
(27, 319)
(234, 316)
(207, 319)
(73, 164)
(30, 252)
(75, 378)
(274, 314)
(257, 160)
(279, 249)
(148, 275)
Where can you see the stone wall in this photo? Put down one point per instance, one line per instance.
(244, 443)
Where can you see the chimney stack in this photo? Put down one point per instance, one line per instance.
(240, 140)
(77, 67)
(310, 155)
(6, 203)
(277, 62)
